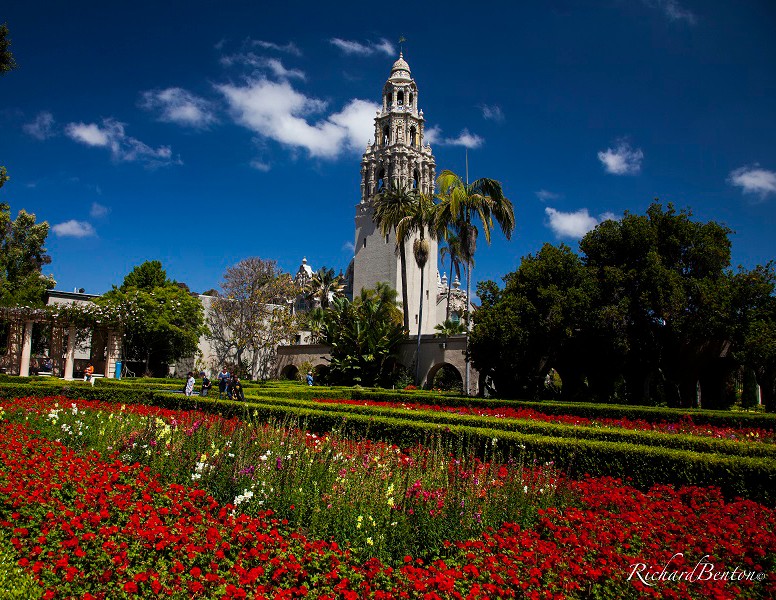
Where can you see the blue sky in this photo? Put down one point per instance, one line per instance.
(200, 133)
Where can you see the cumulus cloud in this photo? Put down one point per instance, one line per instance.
(98, 210)
(492, 112)
(364, 49)
(42, 127)
(754, 180)
(673, 10)
(349, 247)
(433, 135)
(545, 195)
(277, 111)
(73, 228)
(573, 224)
(621, 160)
(123, 148)
(176, 105)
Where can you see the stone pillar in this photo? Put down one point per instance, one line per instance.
(24, 364)
(57, 341)
(113, 353)
(70, 356)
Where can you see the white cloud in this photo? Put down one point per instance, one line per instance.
(89, 134)
(622, 160)
(177, 105)
(349, 247)
(42, 127)
(123, 148)
(278, 112)
(492, 113)
(364, 49)
(673, 10)
(98, 210)
(433, 135)
(289, 48)
(545, 195)
(260, 165)
(754, 180)
(73, 228)
(272, 65)
(574, 224)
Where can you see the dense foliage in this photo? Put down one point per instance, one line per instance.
(166, 320)
(22, 256)
(650, 309)
(363, 336)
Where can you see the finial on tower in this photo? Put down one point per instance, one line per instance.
(402, 39)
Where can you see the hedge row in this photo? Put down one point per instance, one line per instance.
(643, 466)
(651, 414)
(647, 438)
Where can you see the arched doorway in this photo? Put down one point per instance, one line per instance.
(290, 372)
(445, 377)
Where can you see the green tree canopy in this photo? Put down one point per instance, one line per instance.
(363, 336)
(7, 62)
(22, 256)
(165, 321)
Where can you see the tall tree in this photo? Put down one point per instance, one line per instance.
(22, 256)
(165, 321)
(390, 207)
(323, 287)
(417, 221)
(7, 62)
(252, 316)
(464, 204)
(452, 249)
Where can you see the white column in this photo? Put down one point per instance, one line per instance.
(24, 366)
(70, 356)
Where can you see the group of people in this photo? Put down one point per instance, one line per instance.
(228, 385)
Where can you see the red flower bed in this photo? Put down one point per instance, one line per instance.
(685, 425)
(94, 528)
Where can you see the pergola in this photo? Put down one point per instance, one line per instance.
(67, 325)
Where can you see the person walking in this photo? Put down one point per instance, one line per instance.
(223, 382)
(189, 384)
(309, 377)
(206, 384)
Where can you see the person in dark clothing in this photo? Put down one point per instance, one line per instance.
(235, 389)
(223, 382)
(206, 385)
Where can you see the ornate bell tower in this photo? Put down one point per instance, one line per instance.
(397, 157)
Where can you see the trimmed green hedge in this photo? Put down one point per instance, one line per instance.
(640, 465)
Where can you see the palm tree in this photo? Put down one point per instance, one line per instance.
(462, 203)
(453, 250)
(418, 220)
(324, 286)
(449, 328)
(390, 207)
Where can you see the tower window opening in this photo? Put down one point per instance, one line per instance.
(385, 136)
(415, 179)
(388, 100)
(414, 137)
(400, 98)
(416, 319)
(364, 242)
(411, 99)
(386, 239)
(380, 180)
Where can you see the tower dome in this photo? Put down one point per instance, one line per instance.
(400, 69)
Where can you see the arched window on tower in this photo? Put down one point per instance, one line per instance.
(388, 100)
(415, 179)
(380, 180)
(400, 98)
(412, 97)
(414, 137)
(386, 136)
